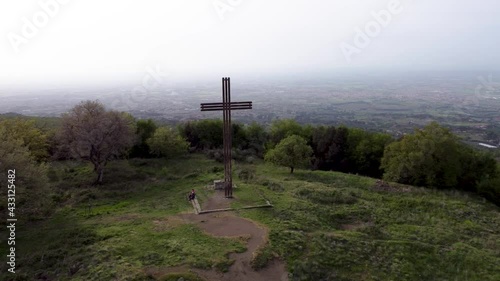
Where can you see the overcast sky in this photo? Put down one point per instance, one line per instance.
(96, 40)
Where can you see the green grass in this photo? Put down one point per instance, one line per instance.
(329, 225)
(325, 225)
(116, 230)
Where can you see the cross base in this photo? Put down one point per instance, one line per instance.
(228, 190)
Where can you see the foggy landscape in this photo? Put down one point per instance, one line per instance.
(393, 103)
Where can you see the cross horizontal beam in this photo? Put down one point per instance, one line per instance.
(221, 106)
(231, 103)
(221, 109)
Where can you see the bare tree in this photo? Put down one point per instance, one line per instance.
(94, 134)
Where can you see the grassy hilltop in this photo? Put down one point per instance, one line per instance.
(324, 225)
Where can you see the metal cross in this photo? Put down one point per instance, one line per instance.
(226, 106)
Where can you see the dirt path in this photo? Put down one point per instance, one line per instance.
(228, 225)
(216, 201)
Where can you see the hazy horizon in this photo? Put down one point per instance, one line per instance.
(57, 43)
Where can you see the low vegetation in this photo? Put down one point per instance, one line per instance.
(326, 224)
(333, 226)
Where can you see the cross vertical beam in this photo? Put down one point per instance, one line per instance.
(226, 103)
(226, 107)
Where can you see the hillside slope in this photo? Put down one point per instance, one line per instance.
(324, 225)
(332, 226)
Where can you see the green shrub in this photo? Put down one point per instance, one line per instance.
(215, 154)
(250, 159)
(490, 189)
(246, 174)
(271, 185)
(52, 175)
(217, 169)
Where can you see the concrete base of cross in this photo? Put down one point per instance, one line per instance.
(219, 185)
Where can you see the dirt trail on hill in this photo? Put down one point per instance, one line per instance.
(227, 224)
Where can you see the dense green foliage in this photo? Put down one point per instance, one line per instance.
(342, 149)
(292, 152)
(330, 148)
(166, 142)
(348, 150)
(203, 134)
(256, 136)
(207, 135)
(45, 124)
(21, 145)
(365, 151)
(434, 157)
(282, 129)
(490, 188)
(144, 130)
(31, 136)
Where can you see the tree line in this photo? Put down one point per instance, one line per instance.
(432, 156)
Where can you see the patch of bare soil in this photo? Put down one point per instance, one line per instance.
(216, 201)
(228, 225)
